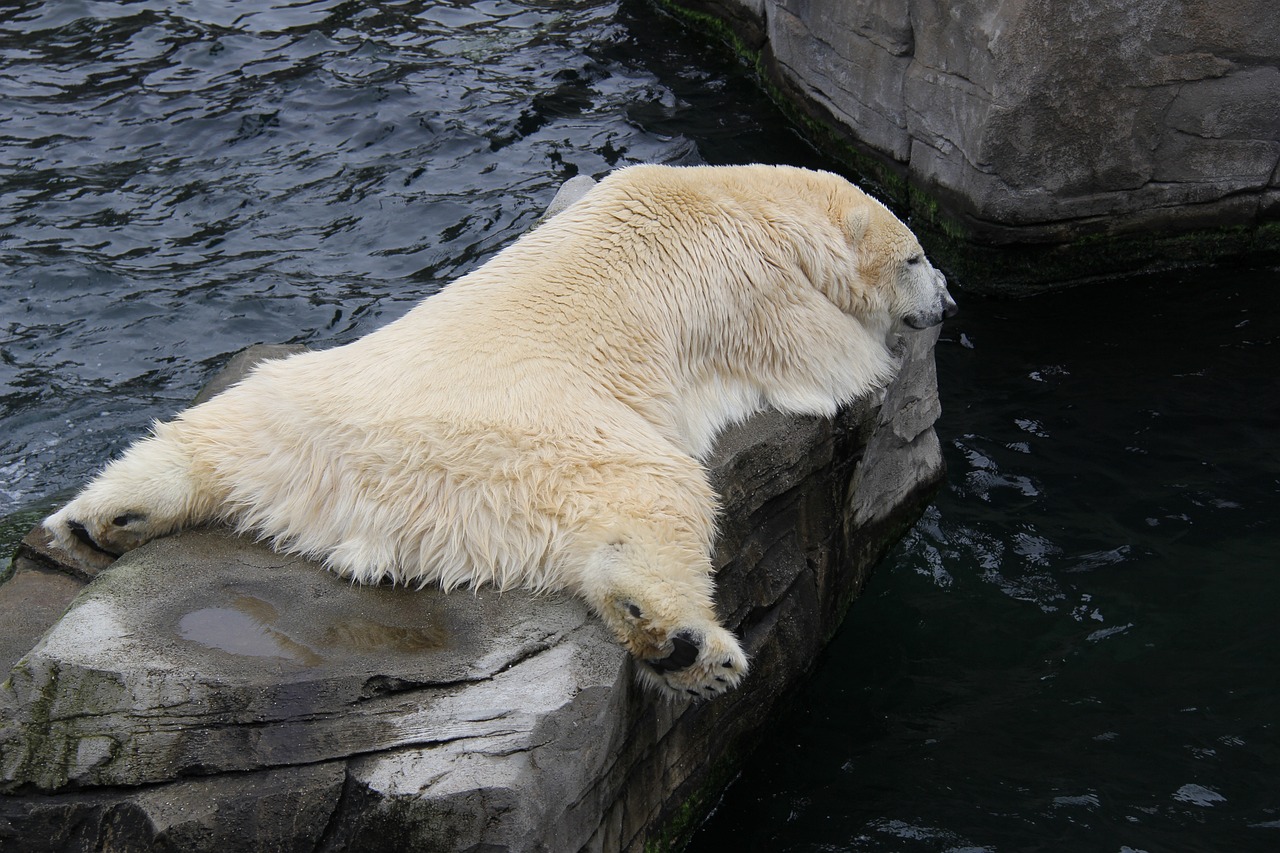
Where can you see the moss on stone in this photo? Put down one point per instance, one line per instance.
(1026, 269)
(36, 766)
(678, 830)
(12, 529)
(711, 25)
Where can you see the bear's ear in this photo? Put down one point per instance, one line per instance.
(856, 223)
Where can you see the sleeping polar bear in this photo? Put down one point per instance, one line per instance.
(540, 422)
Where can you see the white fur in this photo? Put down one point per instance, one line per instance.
(540, 421)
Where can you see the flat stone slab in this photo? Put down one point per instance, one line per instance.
(258, 660)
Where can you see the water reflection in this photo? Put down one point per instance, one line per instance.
(250, 626)
(245, 628)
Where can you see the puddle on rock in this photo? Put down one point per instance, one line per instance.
(245, 628)
(252, 627)
(366, 636)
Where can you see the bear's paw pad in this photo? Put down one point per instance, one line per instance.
(702, 664)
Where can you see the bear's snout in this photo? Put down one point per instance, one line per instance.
(943, 307)
(949, 307)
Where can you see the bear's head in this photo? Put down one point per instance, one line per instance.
(880, 268)
(893, 267)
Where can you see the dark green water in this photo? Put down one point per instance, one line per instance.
(1076, 649)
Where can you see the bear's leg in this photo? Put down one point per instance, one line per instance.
(148, 492)
(657, 599)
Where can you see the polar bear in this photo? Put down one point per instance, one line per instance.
(541, 421)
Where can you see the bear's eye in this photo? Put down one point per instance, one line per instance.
(634, 610)
(915, 259)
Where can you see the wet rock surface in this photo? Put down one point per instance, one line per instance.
(207, 693)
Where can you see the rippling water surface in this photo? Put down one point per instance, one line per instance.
(1076, 648)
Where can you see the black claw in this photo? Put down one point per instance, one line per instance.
(721, 680)
(80, 532)
(728, 663)
(693, 692)
(127, 518)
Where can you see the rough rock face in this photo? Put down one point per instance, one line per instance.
(206, 693)
(1041, 120)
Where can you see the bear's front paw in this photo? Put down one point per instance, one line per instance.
(96, 542)
(702, 663)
